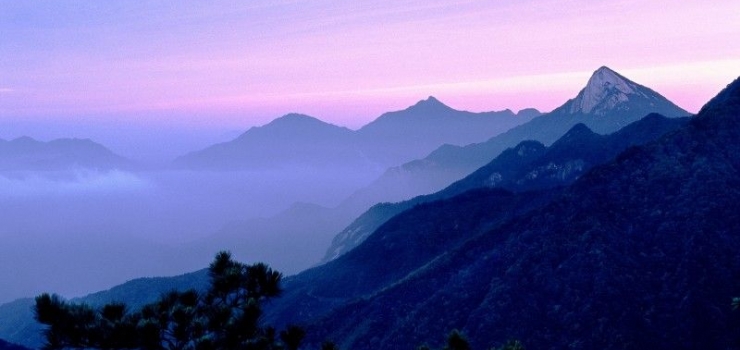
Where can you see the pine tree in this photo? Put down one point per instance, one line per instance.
(225, 317)
(457, 341)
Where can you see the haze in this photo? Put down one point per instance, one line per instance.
(155, 80)
(90, 68)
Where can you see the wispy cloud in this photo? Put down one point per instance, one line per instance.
(79, 182)
(6, 90)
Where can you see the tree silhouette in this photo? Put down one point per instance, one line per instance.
(225, 317)
(457, 341)
(292, 337)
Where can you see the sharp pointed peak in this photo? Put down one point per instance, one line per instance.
(604, 69)
(604, 90)
(605, 76)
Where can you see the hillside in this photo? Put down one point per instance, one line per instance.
(18, 325)
(8, 346)
(528, 166)
(608, 102)
(291, 140)
(580, 144)
(391, 139)
(397, 137)
(638, 253)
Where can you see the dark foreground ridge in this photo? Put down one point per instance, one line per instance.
(638, 253)
(9, 346)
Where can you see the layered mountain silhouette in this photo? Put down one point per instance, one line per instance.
(607, 103)
(392, 139)
(528, 166)
(304, 229)
(489, 204)
(637, 253)
(293, 139)
(397, 137)
(25, 153)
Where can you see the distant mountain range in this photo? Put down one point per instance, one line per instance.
(638, 253)
(397, 137)
(317, 227)
(393, 138)
(583, 241)
(301, 140)
(25, 153)
(468, 205)
(528, 166)
(607, 103)
(294, 139)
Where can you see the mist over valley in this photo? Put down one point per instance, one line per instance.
(335, 175)
(82, 207)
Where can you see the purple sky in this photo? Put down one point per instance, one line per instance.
(232, 64)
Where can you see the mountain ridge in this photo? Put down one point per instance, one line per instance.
(528, 166)
(391, 139)
(640, 252)
(449, 162)
(108, 295)
(495, 192)
(27, 153)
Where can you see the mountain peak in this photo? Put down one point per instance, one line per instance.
(24, 139)
(431, 103)
(293, 120)
(290, 124)
(431, 100)
(604, 90)
(605, 77)
(579, 129)
(528, 113)
(604, 69)
(294, 117)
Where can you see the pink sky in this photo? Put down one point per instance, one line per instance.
(227, 64)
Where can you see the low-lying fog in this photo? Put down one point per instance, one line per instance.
(75, 232)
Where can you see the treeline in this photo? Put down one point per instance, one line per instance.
(226, 316)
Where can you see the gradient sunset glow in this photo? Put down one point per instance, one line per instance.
(236, 64)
